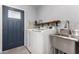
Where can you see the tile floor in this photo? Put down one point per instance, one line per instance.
(18, 50)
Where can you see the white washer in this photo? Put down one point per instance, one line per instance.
(40, 41)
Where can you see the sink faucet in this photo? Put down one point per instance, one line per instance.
(67, 25)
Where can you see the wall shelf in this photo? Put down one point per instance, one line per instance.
(50, 22)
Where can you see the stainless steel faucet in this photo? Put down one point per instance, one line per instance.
(67, 25)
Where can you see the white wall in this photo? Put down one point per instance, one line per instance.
(62, 12)
(0, 29)
(30, 14)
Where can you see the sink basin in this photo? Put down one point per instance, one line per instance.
(64, 35)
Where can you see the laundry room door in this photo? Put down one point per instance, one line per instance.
(13, 27)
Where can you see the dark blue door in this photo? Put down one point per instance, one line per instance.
(13, 28)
